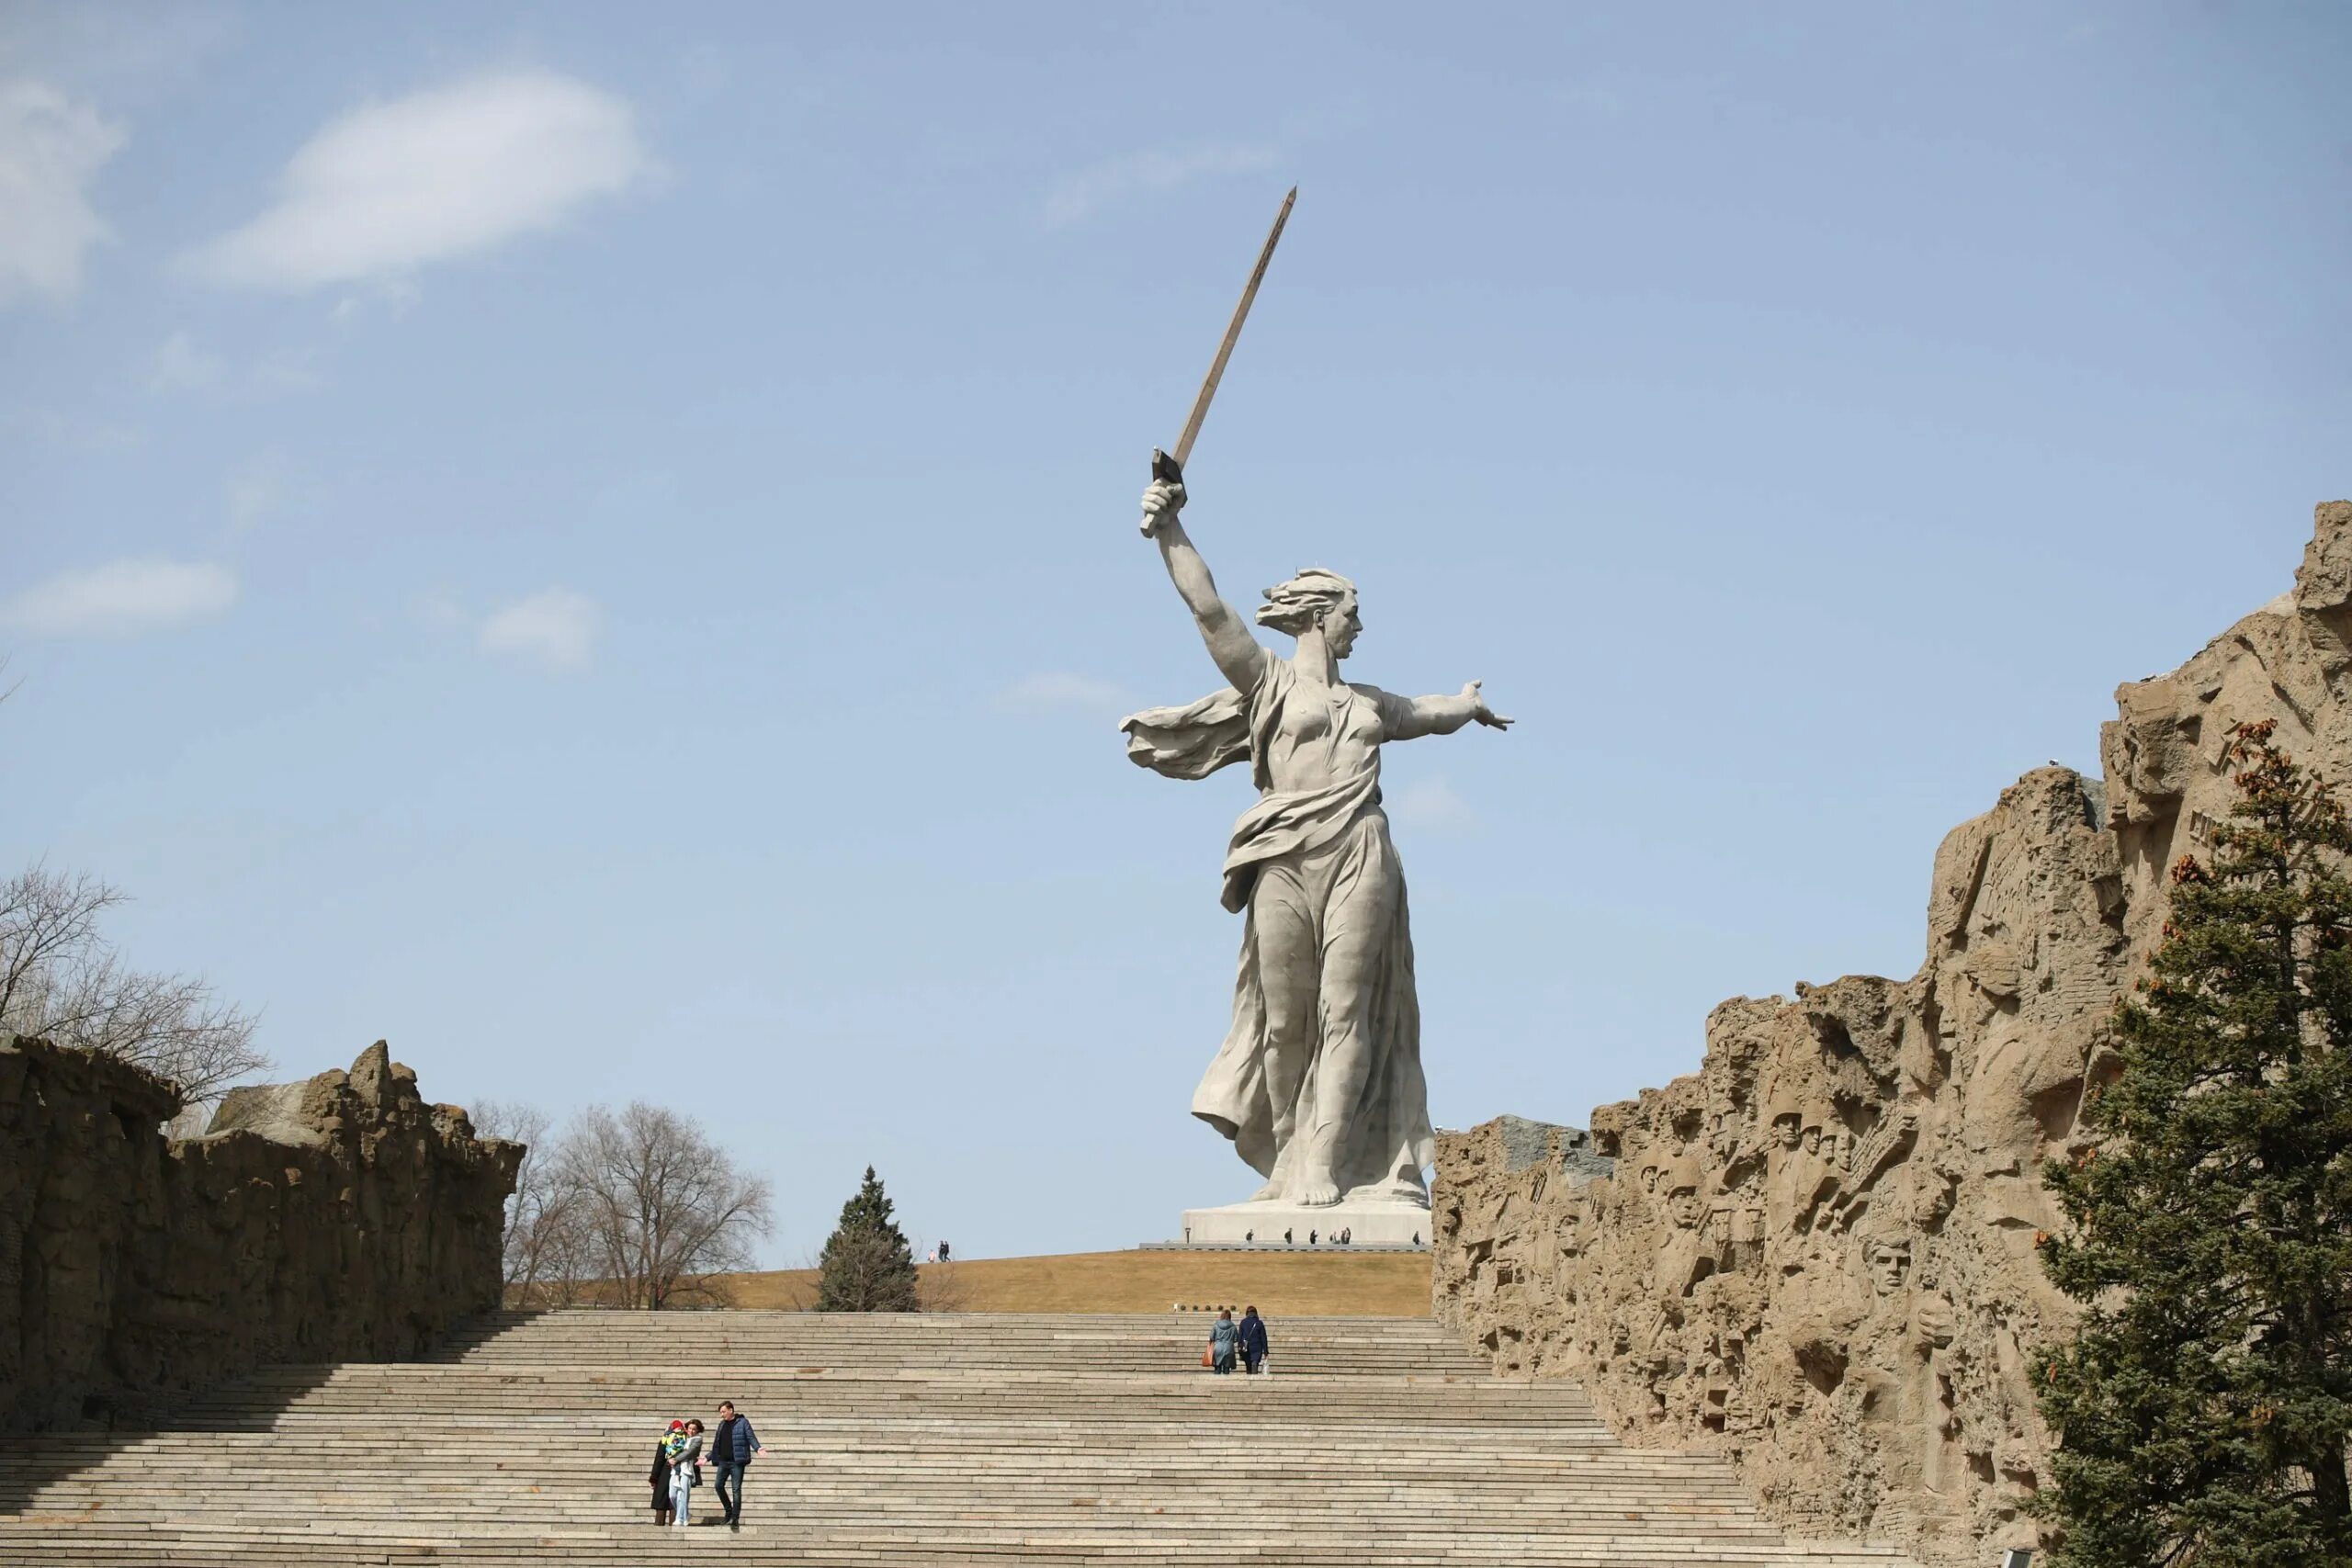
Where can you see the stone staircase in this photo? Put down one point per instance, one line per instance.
(892, 1440)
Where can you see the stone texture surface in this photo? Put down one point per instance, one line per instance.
(1367, 1223)
(1816, 1254)
(338, 1219)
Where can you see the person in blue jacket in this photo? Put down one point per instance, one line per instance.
(732, 1446)
(1253, 1340)
(1225, 1338)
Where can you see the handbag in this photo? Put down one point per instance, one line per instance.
(1208, 1357)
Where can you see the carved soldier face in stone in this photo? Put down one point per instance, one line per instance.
(1682, 1206)
(1813, 1140)
(1649, 1178)
(1890, 1265)
(1786, 1129)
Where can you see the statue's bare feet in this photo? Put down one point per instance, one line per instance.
(1317, 1190)
(1268, 1192)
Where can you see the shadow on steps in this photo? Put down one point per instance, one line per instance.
(29, 1462)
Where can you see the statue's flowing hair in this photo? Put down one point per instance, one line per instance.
(1296, 606)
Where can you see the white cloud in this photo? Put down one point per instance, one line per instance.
(51, 147)
(122, 598)
(393, 186)
(1097, 185)
(180, 367)
(1058, 689)
(554, 629)
(1433, 805)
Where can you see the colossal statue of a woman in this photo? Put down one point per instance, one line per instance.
(1320, 1083)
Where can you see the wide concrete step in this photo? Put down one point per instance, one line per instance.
(914, 1440)
(916, 1335)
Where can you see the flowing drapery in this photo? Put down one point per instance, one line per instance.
(1330, 848)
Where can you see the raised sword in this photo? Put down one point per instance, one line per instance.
(1171, 466)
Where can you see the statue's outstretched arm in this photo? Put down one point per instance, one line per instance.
(1409, 718)
(1240, 656)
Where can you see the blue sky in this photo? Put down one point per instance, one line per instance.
(600, 547)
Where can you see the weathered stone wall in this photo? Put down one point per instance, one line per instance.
(1816, 1254)
(338, 1219)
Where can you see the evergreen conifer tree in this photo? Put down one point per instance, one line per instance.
(867, 1265)
(2203, 1407)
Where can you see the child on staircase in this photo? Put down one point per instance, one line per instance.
(686, 1468)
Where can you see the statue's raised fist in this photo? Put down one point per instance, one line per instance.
(1162, 500)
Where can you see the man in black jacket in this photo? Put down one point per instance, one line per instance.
(732, 1446)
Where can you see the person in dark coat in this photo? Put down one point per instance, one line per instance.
(659, 1475)
(732, 1445)
(1253, 1340)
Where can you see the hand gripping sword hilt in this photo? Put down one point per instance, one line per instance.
(1163, 466)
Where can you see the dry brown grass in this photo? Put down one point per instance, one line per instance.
(1280, 1284)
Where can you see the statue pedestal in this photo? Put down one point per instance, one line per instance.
(1262, 1224)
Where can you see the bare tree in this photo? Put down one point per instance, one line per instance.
(940, 1288)
(546, 1245)
(662, 1208)
(61, 980)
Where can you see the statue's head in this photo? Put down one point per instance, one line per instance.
(1314, 598)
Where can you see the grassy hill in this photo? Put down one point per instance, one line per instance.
(1280, 1284)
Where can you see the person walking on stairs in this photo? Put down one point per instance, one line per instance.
(685, 1471)
(1252, 1336)
(659, 1475)
(1223, 1341)
(732, 1446)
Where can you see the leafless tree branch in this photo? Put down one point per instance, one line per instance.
(60, 980)
(546, 1259)
(663, 1209)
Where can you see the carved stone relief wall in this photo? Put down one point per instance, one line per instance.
(1816, 1254)
(342, 1218)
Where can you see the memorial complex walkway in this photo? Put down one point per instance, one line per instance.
(930, 1439)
